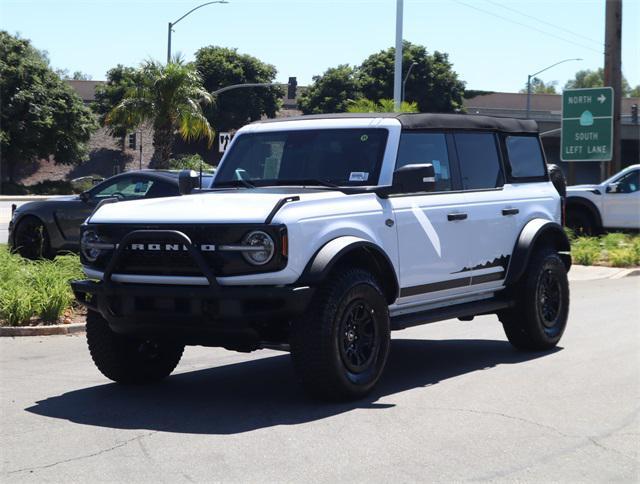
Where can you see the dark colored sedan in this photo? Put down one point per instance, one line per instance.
(42, 229)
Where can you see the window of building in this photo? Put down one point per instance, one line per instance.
(479, 161)
(419, 148)
(132, 141)
(525, 156)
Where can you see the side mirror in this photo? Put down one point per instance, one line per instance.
(412, 179)
(612, 188)
(187, 181)
(85, 197)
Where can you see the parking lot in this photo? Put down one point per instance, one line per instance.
(456, 403)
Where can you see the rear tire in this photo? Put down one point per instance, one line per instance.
(31, 239)
(539, 317)
(340, 348)
(129, 360)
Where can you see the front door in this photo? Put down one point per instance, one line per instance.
(433, 233)
(622, 206)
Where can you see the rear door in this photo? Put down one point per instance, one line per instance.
(433, 230)
(491, 208)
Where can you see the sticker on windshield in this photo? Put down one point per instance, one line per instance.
(358, 176)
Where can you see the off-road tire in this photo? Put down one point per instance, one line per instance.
(129, 360)
(31, 239)
(539, 317)
(323, 340)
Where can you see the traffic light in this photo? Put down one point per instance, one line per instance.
(634, 113)
(291, 88)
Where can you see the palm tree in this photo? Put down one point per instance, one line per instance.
(170, 97)
(364, 105)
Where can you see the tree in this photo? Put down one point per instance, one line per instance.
(590, 78)
(363, 105)
(331, 92)
(41, 115)
(120, 79)
(170, 97)
(221, 67)
(432, 84)
(538, 86)
(76, 76)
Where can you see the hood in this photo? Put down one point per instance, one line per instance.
(46, 202)
(582, 188)
(229, 206)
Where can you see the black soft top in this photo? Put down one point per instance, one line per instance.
(411, 121)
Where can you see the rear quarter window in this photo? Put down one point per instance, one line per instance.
(525, 156)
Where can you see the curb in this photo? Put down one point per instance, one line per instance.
(42, 330)
(626, 273)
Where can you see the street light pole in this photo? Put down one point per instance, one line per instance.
(397, 75)
(406, 78)
(531, 76)
(172, 24)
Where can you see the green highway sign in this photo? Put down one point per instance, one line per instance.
(587, 124)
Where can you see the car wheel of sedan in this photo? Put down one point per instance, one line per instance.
(31, 239)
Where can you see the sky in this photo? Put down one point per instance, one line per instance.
(493, 44)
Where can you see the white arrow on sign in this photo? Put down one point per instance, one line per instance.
(602, 99)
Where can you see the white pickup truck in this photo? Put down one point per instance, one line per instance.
(612, 204)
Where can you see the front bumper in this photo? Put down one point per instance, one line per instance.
(238, 317)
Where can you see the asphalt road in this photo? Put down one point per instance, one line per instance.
(456, 403)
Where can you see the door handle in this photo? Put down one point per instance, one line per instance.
(456, 216)
(510, 211)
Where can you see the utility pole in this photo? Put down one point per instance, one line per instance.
(613, 77)
(397, 75)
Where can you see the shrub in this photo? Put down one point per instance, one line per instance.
(614, 240)
(189, 162)
(623, 257)
(585, 250)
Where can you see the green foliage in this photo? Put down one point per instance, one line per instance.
(41, 115)
(615, 249)
(538, 86)
(382, 106)
(189, 162)
(432, 84)
(590, 78)
(221, 67)
(35, 289)
(170, 97)
(332, 92)
(120, 79)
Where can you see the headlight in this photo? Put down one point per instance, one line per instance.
(262, 248)
(91, 246)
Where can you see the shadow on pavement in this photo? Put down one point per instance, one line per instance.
(263, 393)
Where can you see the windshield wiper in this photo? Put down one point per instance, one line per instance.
(308, 181)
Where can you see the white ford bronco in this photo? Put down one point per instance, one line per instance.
(322, 234)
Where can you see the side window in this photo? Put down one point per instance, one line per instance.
(418, 148)
(479, 161)
(127, 188)
(525, 156)
(629, 183)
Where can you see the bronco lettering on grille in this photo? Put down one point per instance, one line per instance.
(171, 247)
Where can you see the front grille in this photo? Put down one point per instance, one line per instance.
(180, 263)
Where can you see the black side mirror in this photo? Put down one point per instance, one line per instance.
(613, 188)
(85, 197)
(187, 181)
(412, 179)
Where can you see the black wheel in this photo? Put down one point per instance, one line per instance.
(340, 348)
(129, 360)
(31, 239)
(539, 317)
(581, 222)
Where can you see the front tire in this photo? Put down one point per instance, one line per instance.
(340, 348)
(540, 315)
(129, 360)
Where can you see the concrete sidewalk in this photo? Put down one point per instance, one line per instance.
(592, 273)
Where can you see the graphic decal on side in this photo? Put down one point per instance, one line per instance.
(502, 261)
(426, 225)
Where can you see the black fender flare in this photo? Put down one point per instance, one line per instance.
(534, 233)
(588, 205)
(336, 250)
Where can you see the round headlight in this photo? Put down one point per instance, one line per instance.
(260, 248)
(88, 245)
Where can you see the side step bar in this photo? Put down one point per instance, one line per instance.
(466, 310)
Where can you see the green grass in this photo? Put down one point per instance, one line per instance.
(35, 289)
(614, 249)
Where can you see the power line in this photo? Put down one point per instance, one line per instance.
(559, 27)
(507, 19)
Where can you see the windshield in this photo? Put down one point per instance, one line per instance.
(324, 157)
